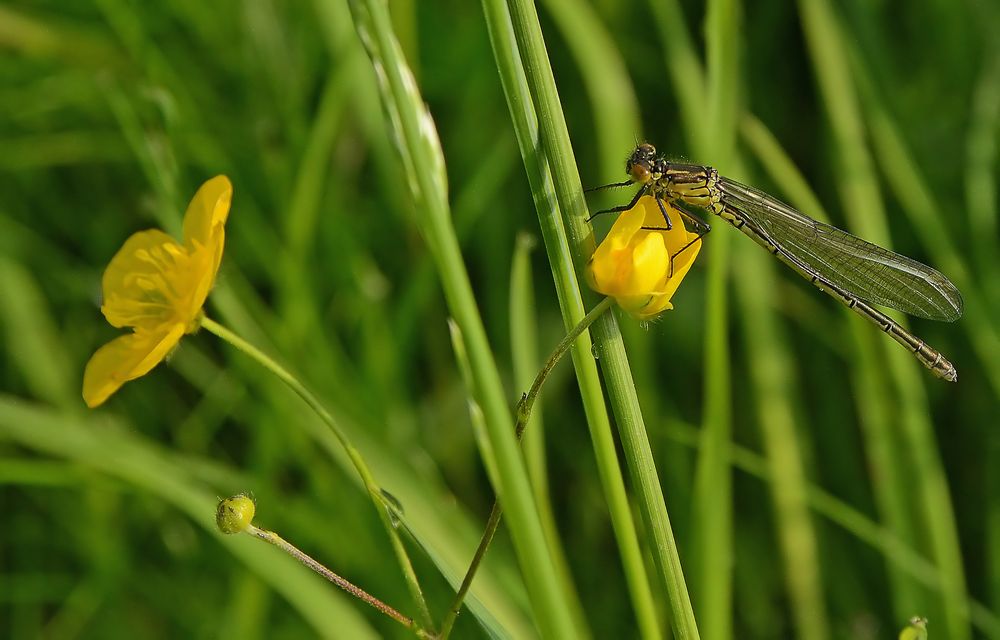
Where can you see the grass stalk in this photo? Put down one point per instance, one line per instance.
(524, 414)
(773, 379)
(527, 127)
(982, 151)
(897, 552)
(870, 389)
(910, 187)
(713, 500)
(524, 358)
(558, 152)
(860, 193)
(424, 164)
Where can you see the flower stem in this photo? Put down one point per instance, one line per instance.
(523, 414)
(374, 491)
(356, 591)
(528, 401)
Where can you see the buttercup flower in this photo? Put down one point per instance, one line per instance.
(632, 264)
(157, 287)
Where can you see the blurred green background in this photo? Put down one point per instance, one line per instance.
(113, 112)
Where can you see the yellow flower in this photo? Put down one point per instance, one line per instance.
(158, 286)
(632, 264)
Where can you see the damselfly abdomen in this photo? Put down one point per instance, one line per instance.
(851, 270)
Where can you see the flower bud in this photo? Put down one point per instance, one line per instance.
(916, 630)
(632, 264)
(235, 514)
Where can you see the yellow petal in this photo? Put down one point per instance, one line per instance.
(204, 266)
(208, 211)
(682, 264)
(621, 233)
(651, 214)
(650, 263)
(677, 236)
(135, 284)
(632, 264)
(602, 273)
(644, 307)
(125, 358)
(628, 224)
(657, 305)
(610, 264)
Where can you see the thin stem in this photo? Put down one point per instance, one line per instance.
(524, 408)
(374, 491)
(356, 591)
(528, 401)
(496, 513)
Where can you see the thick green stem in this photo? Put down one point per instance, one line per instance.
(563, 259)
(423, 161)
(570, 243)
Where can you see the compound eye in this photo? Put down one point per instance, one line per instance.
(639, 172)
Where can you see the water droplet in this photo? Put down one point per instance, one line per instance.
(391, 501)
(594, 352)
(394, 519)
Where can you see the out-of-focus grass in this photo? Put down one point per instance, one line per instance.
(111, 114)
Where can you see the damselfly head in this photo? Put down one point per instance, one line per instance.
(639, 165)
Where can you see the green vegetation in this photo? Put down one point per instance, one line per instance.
(756, 463)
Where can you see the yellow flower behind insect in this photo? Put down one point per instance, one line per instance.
(157, 286)
(632, 264)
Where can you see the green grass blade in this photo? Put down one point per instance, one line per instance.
(896, 551)
(558, 152)
(113, 451)
(712, 525)
(687, 73)
(982, 152)
(606, 80)
(871, 392)
(526, 362)
(423, 160)
(32, 338)
(526, 127)
(910, 186)
(773, 378)
(860, 193)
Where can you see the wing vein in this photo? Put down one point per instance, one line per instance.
(865, 270)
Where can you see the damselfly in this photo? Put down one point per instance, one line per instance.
(851, 270)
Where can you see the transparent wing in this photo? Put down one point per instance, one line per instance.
(868, 271)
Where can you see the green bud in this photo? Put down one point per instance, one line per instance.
(916, 630)
(235, 514)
